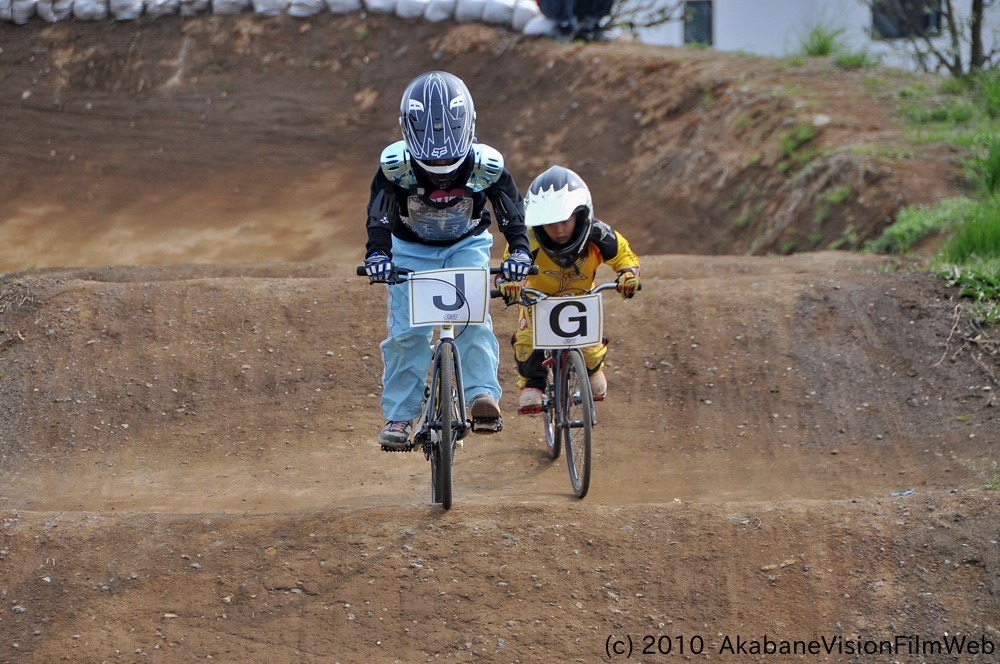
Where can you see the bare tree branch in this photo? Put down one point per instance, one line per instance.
(924, 44)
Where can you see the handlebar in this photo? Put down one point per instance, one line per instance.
(530, 296)
(403, 272)
(398, 271)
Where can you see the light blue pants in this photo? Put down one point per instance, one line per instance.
(406, 353)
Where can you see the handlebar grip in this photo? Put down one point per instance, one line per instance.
(361, 272)
(531, 270)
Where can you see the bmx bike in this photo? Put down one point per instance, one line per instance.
(562, 325)
(447, 299)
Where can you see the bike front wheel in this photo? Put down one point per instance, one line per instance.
(549, 415)
(577, 420)
(444, 417)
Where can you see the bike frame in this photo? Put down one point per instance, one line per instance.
(443, 421)
(428, 430)
(565, 365)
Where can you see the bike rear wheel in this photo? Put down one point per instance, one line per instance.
(577, 420)
(549, 415)
(443, 413)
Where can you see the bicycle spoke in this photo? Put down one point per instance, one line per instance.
(578, 428)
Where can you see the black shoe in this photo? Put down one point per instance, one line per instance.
(485, 415)
(395, 436)
(599, 36)
(564, 33)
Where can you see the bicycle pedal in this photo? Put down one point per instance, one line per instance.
(487, 425)
(409, 448)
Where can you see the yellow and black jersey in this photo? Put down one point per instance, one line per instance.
(606, 245)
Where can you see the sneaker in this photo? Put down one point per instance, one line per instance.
(530, 402)
(485, 414)
(564, 32)
(599, 36)
(395, 435)
(599, 386)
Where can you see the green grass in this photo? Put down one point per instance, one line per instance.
(849, 239)
(970, 261)
(953, 113)
(821, 41)
(917, 222)
(837, 195)
(747, 217)
(796, 138)
(977, 238)
(983, 168)
(961, 112)
(986, 91)
(857, 60)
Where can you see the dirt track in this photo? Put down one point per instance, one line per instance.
(188, 393)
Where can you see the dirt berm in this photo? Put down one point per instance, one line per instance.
(798, 452)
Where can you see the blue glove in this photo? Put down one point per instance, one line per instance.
(379, 267)
(515, 268)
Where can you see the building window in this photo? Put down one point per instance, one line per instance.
(698, 22)
(899, 19)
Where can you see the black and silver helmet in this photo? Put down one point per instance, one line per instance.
(438, 121)
(552, 197)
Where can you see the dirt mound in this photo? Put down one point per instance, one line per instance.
(188, 466)
(794, 453)
(238, 139)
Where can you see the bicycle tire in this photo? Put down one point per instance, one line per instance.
(550, 415)
(577, 424)
(443, 412)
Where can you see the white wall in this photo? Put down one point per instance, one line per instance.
(777, 27)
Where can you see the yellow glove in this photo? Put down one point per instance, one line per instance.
(510, 291)
(628, 282)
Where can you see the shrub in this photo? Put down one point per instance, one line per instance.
(977, 238)
(857, 60)
(917, 222)
(984, 169)
(821, 41)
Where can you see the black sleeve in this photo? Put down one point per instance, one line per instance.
(604, 239)
(508, 205)
(383, 212)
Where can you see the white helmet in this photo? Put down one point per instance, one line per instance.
(552, 197)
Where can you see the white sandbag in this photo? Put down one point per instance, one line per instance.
(90, 10)
(125, 10)
(267, 8)
(411, 8)
(21, 11)
(162, 7)
(344, 6)
(6, 14)
(381, 6)
(54, 10)
(541, 25)
(306, 8)
(498, 12)
(524, 11)
(439, 10)
(230, 6)
(195, 7)
(469, 11)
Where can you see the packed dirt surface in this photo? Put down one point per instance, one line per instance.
(798, 451)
